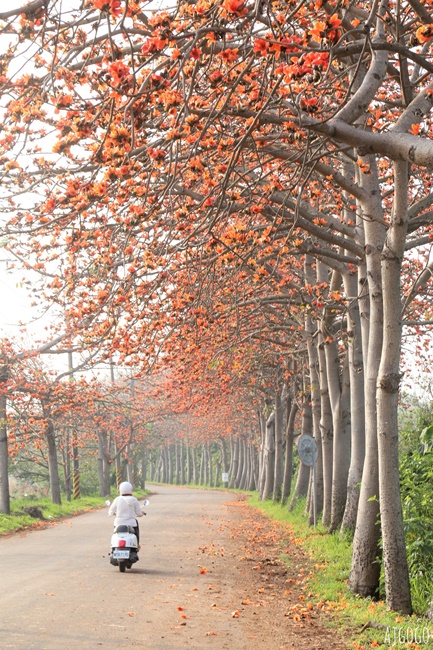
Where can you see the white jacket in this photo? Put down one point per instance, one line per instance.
(126, 509)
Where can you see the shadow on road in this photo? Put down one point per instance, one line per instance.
(153, 572)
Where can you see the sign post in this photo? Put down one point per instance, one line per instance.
(308, 453)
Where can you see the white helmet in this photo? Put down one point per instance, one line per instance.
(125, 488)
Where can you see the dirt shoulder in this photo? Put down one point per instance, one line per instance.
(270, 597)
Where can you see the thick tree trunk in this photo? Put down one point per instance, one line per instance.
(170, 476)
(129, 465)
(194, 465)
(224, 460)
(314, 413)
(326, 432)
(303, 476)
(202, 477)
(241, 463)
(144, 461)
(262, 452)
(66, 465)
(279, 464)
(253, 480)
(269, 457)
(177, 462)
(209, 464)
(397, 586)
(188, 465)
(340, 404)
(234, 463)
(182, 462)
(246, 472)
(216, 482)
(5, 505)
(292, 408)
(365, 568)
(164, 465)
(152, 464)
(301, 485)
(102, 452)
(311, 388)
(279, 467)
(357, 406)
(53, 466)
(160, 472)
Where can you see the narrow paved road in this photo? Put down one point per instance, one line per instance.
(196, 585)
(58, 589)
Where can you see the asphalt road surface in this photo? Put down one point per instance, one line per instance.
(59, 591)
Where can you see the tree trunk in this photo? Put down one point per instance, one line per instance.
(177, 462)
(5, 504)
(326, 431)
(365, 568)
(397, 584)
(292, 408)
(166, 465)
(357, 407)
(262, 452)
(217, 473)
(279, 468)
(101, 453)
(210, 464)
(312, 392)
(182, 463)
(194, 465)
(66, 464)
(224, 461)
(246, 469)
(303, 476)
(188, 465)
(252, 480)
(160, 467)
(269, 457)
(152, 465)
(340, 404)
(241, 462)
(53, 466)
(202, 478)
(171, 468)
(144, 470)
(234, 463)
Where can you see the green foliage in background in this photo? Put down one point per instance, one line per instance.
(416, 475)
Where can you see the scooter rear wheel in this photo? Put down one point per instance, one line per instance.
(122, 567)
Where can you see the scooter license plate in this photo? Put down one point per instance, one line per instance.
(120, 555)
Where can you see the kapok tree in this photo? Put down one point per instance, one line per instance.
(170, 125)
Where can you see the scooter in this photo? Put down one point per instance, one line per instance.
(124, 546)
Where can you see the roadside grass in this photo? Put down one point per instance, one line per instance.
(21, 519)
(365, 623)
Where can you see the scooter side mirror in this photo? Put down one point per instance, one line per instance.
(108, 502)
(146, 502)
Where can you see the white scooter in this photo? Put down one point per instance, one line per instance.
(124, 546)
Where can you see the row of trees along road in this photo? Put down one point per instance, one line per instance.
(238, 193)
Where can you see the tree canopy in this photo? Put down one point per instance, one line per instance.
(236, 195)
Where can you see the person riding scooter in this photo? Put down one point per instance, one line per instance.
(126, 508)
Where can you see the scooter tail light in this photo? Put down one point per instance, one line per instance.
(122, 543)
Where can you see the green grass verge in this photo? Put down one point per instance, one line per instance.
(19, 519)
(330, 559)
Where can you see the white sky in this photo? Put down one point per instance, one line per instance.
(14, 302)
